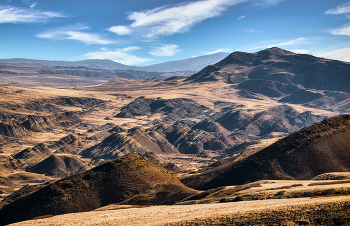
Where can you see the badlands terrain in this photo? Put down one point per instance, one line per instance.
(254, 139)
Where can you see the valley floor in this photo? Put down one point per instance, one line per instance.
(299, 211)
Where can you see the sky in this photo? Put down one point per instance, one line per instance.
(140, 32)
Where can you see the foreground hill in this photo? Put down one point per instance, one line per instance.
(302, 211)
(112, 182)
(320, 148)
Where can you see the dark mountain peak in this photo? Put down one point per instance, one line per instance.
(275, 51)
(277, 72)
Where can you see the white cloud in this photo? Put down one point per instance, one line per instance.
(338, 54)
(120, 30)
(225, 50)
(241, 17)
(10, 14)
(345, 8)
(118, 55)
(344, 30)
(178, 19)
(301, 51)
(267, 3)
(73, 33)
(32, 5)
(253, 31)
(293, 42)
(166, 50)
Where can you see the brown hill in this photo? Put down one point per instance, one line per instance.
(59, 166)
(67, 144)
(320, 148)
(111, 182)
(31, 156)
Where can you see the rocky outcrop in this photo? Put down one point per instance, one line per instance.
(172, 109)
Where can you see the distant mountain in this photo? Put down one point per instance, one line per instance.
(283, 75)
(191, 64)
(320, 148)
(278, 70)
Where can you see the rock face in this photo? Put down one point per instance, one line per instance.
(320, 148)
(111, 182)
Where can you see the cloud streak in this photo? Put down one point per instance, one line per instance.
(74, 33)
(225, 50)
(118, 55)
(252, 31)
(167, 21)
(344, 30)
(166, 50)
(268, 3)
(338, 54)
(344, 8)
(9, 14)
(293, 42)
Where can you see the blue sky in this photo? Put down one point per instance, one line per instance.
(139, 32)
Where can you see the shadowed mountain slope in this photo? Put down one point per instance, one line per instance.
(111, 182)
(320, 148)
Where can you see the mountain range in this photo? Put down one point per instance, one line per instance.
(191, 64)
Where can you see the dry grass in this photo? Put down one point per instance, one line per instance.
(330, 182)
